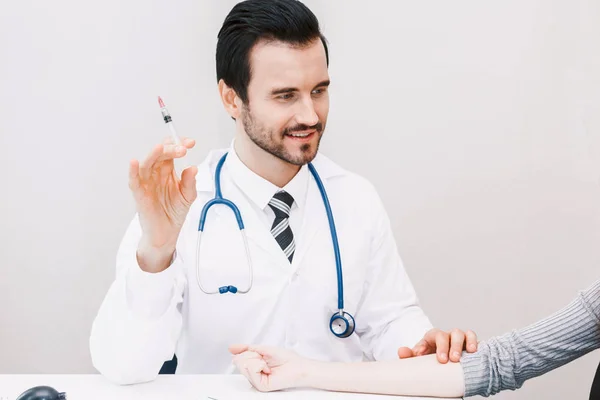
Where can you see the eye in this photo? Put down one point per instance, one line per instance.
(285, 96)
(318, 91)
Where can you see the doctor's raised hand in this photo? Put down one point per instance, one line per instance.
(163, 200)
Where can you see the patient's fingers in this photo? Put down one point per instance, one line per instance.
(238, 348)
(245, 358)
(253, 369)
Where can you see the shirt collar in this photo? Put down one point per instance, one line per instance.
(259, 190)
(205, 182)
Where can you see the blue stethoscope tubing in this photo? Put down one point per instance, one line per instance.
(341, 324)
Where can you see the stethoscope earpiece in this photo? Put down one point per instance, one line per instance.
(225, 289)
(342, 324)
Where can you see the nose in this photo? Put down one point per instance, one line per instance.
(306, 114)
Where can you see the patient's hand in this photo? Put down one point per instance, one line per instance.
(270, 368)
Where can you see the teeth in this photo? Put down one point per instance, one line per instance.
(299, 134)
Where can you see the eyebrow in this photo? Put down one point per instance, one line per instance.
(293, 89)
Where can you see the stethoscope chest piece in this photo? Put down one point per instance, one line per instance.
(341, 324)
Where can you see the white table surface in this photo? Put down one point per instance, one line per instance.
(180, 387)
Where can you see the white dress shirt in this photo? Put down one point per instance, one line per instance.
(145, 318)
(259, 191)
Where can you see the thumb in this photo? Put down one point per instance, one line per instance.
(188, 183)
(405, 352)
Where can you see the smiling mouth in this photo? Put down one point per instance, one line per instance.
(301, 135)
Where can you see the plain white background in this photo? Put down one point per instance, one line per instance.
(479, 123)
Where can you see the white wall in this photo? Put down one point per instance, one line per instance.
(478, 122)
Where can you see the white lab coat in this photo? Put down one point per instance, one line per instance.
(146, 318)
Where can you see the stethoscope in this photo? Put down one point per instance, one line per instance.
(341, 323)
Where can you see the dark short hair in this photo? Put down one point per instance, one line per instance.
(248, 22)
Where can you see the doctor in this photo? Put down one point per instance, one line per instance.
(278, 282)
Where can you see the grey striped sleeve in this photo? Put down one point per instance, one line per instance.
(506, 362)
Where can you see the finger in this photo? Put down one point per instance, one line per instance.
(171, 151)
(251, 356)
(250, 368)
(188, 143)
(240, 348)
(428, 344)
(237, 348)
(134, 175)
(471, 341)
(405, 352)
(424, 347)
(148, 163)
(254, 369)
(265, 351)
(188, 184)
(243, 368)
(431, 335)
(457, 342)
(184, 141)
(259, 364)
(241, 361)
(274, 356)
(248, 355)
(442, 344)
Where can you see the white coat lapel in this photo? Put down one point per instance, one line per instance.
(258, 233)
(315, 220)
(315, 216)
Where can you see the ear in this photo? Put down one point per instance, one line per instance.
(230, 99)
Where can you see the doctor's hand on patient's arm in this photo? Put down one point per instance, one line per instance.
(162, 201)
(447, 345)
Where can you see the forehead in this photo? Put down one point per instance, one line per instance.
(277, 64)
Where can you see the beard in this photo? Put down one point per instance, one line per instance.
(267, 139)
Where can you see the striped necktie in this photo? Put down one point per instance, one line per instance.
(281, 204)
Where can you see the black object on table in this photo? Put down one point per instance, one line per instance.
(49, 393)
(42, 393)
(595, 390)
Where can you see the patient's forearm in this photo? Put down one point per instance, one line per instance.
(420, 376)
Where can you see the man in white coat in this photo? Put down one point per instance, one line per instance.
(272, 73)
